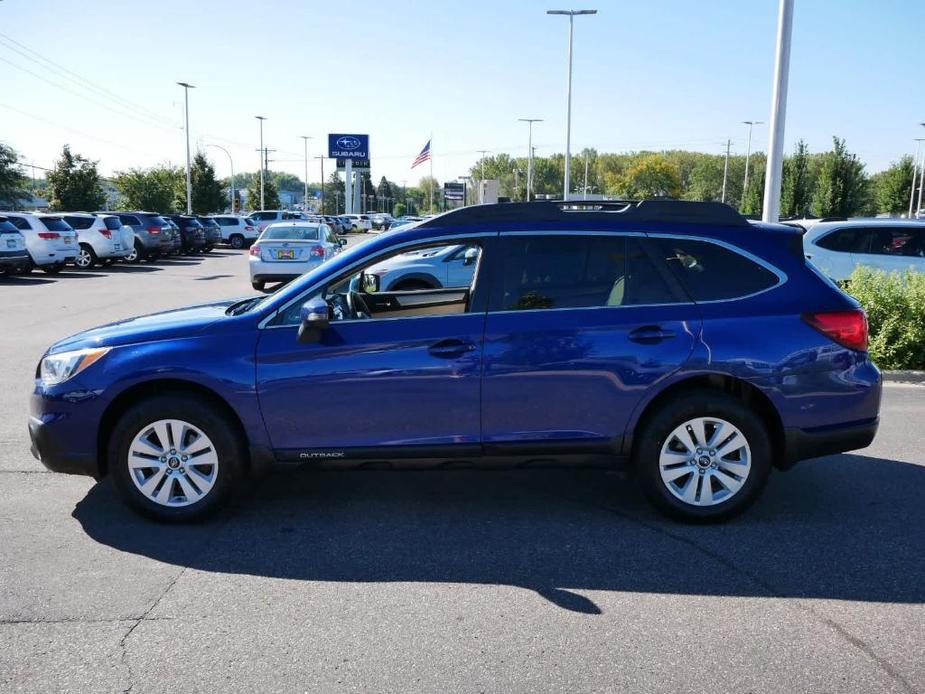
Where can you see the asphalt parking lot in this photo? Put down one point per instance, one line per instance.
(444, 581)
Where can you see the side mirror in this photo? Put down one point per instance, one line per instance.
(470, 256)
(370, 283)
(315, 317)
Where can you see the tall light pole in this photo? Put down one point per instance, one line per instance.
(189, 182)
(726, 170)
(748, 154)
(775, 166)
(262, 163)
(231, 165)
(921, 181)
(530, 122)
(306, 138)
(915, 172)
(568, 95)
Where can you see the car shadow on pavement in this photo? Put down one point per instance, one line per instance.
(24, 279)
(845, 527)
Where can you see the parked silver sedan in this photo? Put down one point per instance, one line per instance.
(286, 250)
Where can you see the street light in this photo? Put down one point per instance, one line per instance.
(189, 184)
(261, 119)
(921, 182)
(770, 211)
(568, 119)
(530, 122)
(231, 165)
(748, 153)
(306, 138)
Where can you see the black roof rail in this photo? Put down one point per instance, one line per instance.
(657, 210)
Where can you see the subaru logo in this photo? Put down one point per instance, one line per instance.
(347, 142)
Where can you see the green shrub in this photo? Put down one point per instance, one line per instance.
(895, 306)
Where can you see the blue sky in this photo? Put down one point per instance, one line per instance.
(658, 74)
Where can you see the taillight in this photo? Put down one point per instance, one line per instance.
(49, 235)
(154, 231)
(106, 232)
(317, 252)
(847, 328)
(255, 250)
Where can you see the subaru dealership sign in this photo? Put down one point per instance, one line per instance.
(348, 146)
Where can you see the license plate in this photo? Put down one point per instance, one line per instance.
(11, 243)
(67, 239)
(285, 255)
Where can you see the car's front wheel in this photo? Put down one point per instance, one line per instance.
(175, 458)
(236, 241)
(703, 456)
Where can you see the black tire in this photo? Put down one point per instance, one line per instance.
(26, 269)
(86, 257)
(108, 262)
(258, 285)
(53, 269)
(672, 414)
(236, 241)
(138, 254)
(200, 413)
(207, 249)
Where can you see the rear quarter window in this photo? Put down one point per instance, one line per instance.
(710, 272)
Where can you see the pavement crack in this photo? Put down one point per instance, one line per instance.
(801, 605)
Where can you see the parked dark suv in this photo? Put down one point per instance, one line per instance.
(193, 236)
(213, 232)
(673, 337)
(151, 239)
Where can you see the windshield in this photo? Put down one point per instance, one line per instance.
(291, 233)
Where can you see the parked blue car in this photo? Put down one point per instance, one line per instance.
(671, 336)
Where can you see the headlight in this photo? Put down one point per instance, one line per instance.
(57, 368)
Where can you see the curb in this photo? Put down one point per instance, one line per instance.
(904, 377)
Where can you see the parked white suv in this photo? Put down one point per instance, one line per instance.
(359, 222)
(237, 231)
(836, 248)
(98, 241)
(50, 240)
(267, 217)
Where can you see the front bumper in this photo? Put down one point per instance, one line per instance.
(58, 427)
(800, 444)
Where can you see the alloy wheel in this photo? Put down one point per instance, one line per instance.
(83, 259)
(705, 461)
(173, 463)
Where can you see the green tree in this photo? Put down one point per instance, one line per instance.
(651, 177)
(705, 181)
(334, 191)
(75, 183)
(796, 185)
(399, 209)
(842, 188)
(149, 189)
(891, 187)
(424, 186)
(208, 195)
(12, 182)
(270, 194)
(753, 197)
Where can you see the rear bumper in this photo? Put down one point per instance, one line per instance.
(800, 444)
(14, 259)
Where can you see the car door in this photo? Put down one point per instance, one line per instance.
(579, 328)
(405, 384)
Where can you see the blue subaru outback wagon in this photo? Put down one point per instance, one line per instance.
(674, 337)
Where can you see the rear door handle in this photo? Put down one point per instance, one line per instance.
(447, 349)
(650, 334)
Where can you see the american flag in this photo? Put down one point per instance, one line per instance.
(423, 156)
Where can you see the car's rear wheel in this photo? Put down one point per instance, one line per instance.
(258, 285)
(236, 241)
(703, 456)
(175, 458)
(137, 254)
(53, 269)
(86, 257)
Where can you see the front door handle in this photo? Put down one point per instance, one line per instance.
(448, 349)
(650, 334)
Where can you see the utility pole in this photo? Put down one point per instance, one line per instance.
(262, 164)
(915, 171)
(189, 184)
(775, 167)
(726, 169)
(748, 153)
(568, 96)
(584, 188)
(483, 152)
(530, 122)
(306, 138)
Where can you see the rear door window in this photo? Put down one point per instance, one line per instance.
(895, 241)
(112, 223)
(852, 240)
(710, 272)
(555, 272)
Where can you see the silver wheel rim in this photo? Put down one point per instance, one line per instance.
(705, 461)
(173, 463)
(83, 258)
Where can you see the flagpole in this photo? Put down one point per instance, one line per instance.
(431, 173)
